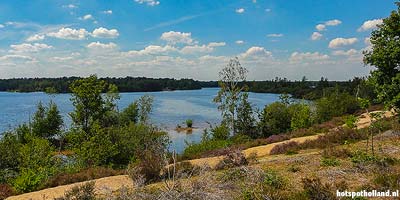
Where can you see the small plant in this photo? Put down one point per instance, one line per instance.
(189, 123)
(274, 180)
(360, 157)
(83, 192)
(316, 190)
(330, 162)
(294, 168)
(233, 159)
(351, 121)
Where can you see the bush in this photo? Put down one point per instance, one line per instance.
(189, 123)
(30, 180)
(387, 181)
(330, 162)
(6, 191)
(336, 152)
(196, 150)
(275, 119)
(220, 132)
(315, 190)
(83, 192)
(274, 180)
(350, 121)
(233, 159)
(284, 148)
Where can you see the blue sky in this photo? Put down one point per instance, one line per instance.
(187, 38)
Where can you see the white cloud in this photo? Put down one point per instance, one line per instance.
(320, 27)
(299, 57)
(87, 17)
(148, 2)
(254, 1)
(268, 10)
(152, 50)
(345, 53)
(16, 57)
(1, 26)
(333, 22)
(70, 6)
(367, 41)
(201, 48)
(339, 42)
(101, 46)
(108, 12)
(239, 42)
(105, 33)
(216, 44)
(240, 10)
(316, 36)
(275, 35)
(26, 47)
(173, 37)
(370, 24)
(70, 34)
(256, 52)
(35, 38)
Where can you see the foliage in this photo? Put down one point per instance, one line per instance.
(47, 121)
(189, 123)
(230, 93)
(275, 119)
(195, 150)
(89, 103)
(83, 192)
(245, 123)
(350, 121)
(335, 104)
(315, 190)
(301, 116)
(330, 162)
(273, 179)
(9, 144)
(130, 114)
(384, 55)
(145, 104)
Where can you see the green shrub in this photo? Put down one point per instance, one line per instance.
(220, 132)
(195, 150)
(315, 190)
(360, 157)
(350, 121)
(30, 180)
(273, 179)
(330, 162)
(189, 123)
(83, 192)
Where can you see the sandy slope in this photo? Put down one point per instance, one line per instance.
(112, 183)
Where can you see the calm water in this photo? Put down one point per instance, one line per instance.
(170, 108)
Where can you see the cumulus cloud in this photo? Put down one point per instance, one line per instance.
(322, 27)
(339, 42)
(201, 48)
(367, 41)
(70, 34)
(350, 52)
(275, 35)
(334, 22)
(240, 10)
(105, 33)
(370, 24)
(148, 2)
(35, 38)
(316, 36)
(1, 26)
(108, 12)
(101, 46)
(256, 52)
(87, 17)
(26, 47)
(15, 57)
(239, 42)
(174, 37)
(152, 50)
(300, 57)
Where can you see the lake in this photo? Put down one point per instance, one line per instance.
(170, 108)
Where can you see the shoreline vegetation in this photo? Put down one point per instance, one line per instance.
(302, 89)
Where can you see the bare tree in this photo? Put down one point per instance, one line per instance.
(228, 97)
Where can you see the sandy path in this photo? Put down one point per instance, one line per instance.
(103, 186)
(113, 183)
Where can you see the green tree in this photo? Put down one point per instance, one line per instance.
(245, 123)
(89, 103)
(301, 116)
(275, 118)
(130, 114)
(385, 56)
(145, 104)
(47, 121)
(228, 96)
